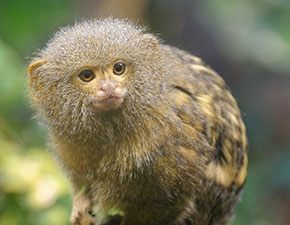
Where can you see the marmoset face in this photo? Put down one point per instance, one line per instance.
(94, 67)
(104, 84)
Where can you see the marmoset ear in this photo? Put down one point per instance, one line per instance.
(150, 41)
(33, 77)
(33, 66)
(32, 70)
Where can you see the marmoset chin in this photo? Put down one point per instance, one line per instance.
(139, 127)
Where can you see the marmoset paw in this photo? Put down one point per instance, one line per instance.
(82, 213)
(111, 220)
(82, 218)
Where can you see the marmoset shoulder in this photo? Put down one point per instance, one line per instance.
(139, 126)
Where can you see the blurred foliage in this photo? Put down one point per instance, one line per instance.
(32, 189)
(248, 42)
(259, 28)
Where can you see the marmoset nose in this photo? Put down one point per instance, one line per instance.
(107, 86)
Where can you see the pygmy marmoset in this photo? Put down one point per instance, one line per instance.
(139, 126)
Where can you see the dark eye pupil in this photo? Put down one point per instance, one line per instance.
(119, 67)
(87, 74)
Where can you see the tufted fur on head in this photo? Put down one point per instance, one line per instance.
(65, 107)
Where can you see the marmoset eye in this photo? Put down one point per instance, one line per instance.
(119, 68)
(87, 75)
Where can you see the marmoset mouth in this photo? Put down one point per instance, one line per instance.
(111, 100)
(110, 103)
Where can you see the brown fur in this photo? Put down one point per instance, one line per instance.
(174, 152)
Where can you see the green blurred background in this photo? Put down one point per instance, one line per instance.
(246, 41)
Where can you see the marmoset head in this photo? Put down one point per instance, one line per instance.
(92, 68)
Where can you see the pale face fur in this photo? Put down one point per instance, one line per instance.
(72, 107)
